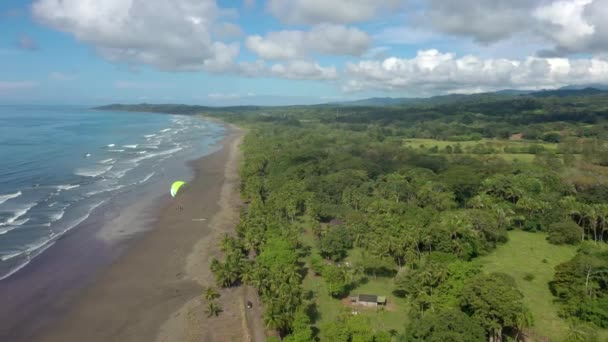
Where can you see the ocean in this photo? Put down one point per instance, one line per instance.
(58, 164)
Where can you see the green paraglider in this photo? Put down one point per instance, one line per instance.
(176, 186)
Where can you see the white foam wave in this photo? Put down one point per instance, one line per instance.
(35, 250)
(10, 256)
(165, 130)
(148, 136)
(111, 145)
(142, 152)
(13, 226)
(130, 146)
(151, 146)
(57, 216)
(147, 178)
(17, 214)
(4, 198)
(117, 174)
(116, 150)
(93, 193)
(162, 153)
(53, 204)
(93, 171)
(106, 161)
(67, 187)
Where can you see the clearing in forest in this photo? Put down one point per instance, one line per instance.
(531, 254)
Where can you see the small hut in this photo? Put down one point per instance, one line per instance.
(368, 300)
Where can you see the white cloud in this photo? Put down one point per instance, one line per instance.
(9, 86)
(169, 35)
(433, 72)
(303, 70)
(565, 19)
(227, 30)
(328, 11)
(328, 39)
(572, 26)
(142, 85)
(294, 70)
(406, 35)
(576, 25)
(60, 76)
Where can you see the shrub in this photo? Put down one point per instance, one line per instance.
(564, 233)
(529, 277)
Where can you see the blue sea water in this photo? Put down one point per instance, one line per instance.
(58, 164)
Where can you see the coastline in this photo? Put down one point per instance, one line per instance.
(142, 280)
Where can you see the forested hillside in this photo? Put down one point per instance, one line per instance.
(477, 220)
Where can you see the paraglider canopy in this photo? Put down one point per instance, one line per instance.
(176, 186)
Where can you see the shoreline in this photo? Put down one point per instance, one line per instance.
(139, 292)
(137, 283)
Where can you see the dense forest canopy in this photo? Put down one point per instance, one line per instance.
(410, 200)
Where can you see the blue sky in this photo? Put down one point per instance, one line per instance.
(292, 51)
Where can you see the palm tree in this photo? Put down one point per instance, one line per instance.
(213, 309)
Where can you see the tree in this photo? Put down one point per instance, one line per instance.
(553, 137)
(335, 243)
(564, 233)
(445, 326)
(495, 302)
(581, 286)
(301, 330)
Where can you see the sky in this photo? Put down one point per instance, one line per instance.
(275, 52)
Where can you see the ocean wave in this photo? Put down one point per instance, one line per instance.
(6, 257)
(165, 130)
(17, 214)
(94, 171)
(57, 216)
(147, 178)
(130, 146)
(151, 146)
(14, 225)
(93, 193)
(81, 219)
(106, 161)
(111, 145)
(117, 174)
(32, 252)
(116, 150)
(4, 198)
(66, 187)
(162, 153)
(148, 136)
(53, 204)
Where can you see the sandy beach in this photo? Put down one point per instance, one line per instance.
(153, 291)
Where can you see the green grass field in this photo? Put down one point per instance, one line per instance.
(523, 254)
(496, 143)
(329, 308)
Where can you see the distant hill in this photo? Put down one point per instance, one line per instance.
(466, 98)
(583, 86)
(376, 101)
(563, 92)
